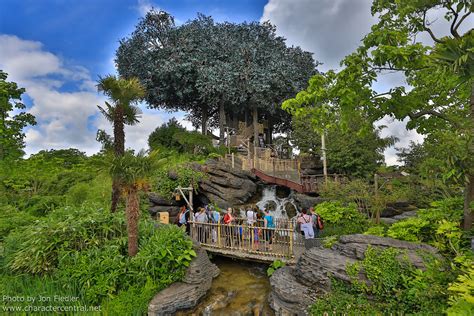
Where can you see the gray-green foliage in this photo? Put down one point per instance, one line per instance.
(202, 65)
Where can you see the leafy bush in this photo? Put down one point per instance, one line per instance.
(185, 176)
(377, 230)
(11, 218)
(341, 219)
(411, 229)
(277, 264)
(104, 272)
(393, 282)
(193, 142)
(436, 225)
(461, 300)
(35, 249)
(163, 136)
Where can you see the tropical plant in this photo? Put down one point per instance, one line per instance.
(132, 171)
(124, 94)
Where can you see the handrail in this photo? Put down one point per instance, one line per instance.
(277, 242)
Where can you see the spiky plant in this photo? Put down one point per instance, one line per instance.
(122, 110)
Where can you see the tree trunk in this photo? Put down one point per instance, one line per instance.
(133, 215)
(221, 123)
(204, 120)
(469, 189)
(115, 195)
(255, 126)
(119, 149)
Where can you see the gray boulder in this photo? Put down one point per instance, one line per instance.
(186, 294)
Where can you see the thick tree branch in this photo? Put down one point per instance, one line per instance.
(453, 24)
(437, 40)
(461, 20)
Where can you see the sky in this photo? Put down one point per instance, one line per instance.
(57, 49)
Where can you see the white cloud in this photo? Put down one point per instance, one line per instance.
(144, 6)
(65, 118)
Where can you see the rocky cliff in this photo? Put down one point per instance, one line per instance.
(295, 288)
(186, 294)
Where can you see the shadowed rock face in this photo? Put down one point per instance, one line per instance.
(225, 186)
(295, 288)
(186, 294)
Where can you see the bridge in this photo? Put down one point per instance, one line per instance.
(255, 243)
(283, 172)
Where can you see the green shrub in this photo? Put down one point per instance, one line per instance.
(411, 229)
(163, 256)
(40, 205)
(437, 225)
(377, 230)
(35, 249)
(461, 300)
(163, 136)
(341, 219)
(186, 176)
(11, 218)
(277, 264)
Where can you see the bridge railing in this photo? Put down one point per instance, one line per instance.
(241, 239)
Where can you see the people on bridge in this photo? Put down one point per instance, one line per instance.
(269, 226)
(305, 222)
(183, 218)
(251, 217)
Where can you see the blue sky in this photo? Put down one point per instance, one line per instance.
(56, 49)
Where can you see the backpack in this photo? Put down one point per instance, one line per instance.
(182, 218)
(319, 222)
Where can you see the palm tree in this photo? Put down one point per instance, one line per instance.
(124, 94)
(131, 172)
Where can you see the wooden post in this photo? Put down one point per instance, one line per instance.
(219, 234)
(291, 232)
(233, 161)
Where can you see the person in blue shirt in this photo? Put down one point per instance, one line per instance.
(269, 227)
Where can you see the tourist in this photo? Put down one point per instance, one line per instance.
(201, 218)
(183, 218)
(215, 218)
(269, 228)
(314, 217)
(251, 217)
(227, 229)
(305, 222)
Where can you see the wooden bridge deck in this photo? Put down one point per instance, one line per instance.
(254, 243)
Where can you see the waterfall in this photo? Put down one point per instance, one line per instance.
(277, 205)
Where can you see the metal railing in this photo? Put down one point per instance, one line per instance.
(278, 242)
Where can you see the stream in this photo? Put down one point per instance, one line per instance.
(242, 288)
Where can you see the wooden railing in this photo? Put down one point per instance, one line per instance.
(242, 239)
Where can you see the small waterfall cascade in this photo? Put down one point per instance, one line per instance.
(278, 206)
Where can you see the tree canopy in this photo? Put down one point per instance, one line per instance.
(439, 75)
(11, 125)
(215, 71)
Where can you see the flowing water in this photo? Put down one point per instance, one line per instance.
(242, 288)
(279, 206)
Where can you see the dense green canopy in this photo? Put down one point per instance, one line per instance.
(214, 70)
